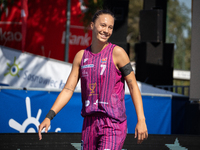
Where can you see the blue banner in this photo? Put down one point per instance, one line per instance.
(23, 110)
(157, 111)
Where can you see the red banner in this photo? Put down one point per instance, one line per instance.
(45, 31)
(10, 26)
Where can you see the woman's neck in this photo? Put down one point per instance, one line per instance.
(96, 48)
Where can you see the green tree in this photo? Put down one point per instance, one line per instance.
(4, 4)
(133, 24)
(92, 6)
(179, 33)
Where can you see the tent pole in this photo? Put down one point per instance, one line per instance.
(67, 31)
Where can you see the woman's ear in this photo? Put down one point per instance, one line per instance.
(92, 25)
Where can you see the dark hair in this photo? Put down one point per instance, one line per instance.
(100, 12)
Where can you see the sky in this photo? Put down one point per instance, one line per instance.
(188, 3)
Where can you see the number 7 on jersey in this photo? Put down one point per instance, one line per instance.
(103, 67)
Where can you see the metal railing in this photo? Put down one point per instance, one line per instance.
(184, 90)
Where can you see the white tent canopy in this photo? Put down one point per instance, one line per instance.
(25, 70)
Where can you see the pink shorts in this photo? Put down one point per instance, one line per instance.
(102, 133)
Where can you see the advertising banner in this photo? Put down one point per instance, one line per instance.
(11, 26)
(43, 24)
(27, 70)
(23, 110)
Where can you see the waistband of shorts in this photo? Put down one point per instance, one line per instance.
(103, 115)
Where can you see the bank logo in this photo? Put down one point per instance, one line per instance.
(30, 125)
(13, 69)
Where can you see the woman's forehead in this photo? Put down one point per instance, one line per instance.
(105, 18)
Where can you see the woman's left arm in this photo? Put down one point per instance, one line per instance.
(121, 59)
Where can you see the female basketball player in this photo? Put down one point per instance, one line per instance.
(102, 68)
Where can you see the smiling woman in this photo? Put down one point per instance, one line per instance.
(101, 70)
(102, 30)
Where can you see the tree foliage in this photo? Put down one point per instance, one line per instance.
(3, 5)
(92, 6)
(179, 33)
(133, 24)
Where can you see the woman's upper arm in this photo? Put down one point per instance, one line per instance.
(74, 74)
(120, 57)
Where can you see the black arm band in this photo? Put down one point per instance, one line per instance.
(51, 114)
(126, 70)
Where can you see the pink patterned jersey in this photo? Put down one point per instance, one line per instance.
(102, 85)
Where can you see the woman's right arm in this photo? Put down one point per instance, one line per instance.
(66, 93)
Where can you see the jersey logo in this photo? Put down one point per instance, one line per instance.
(97, 101)
(103, 60)
(87, 103)
(86, 59)
(87, 66)
(84, 73)
(92, 86)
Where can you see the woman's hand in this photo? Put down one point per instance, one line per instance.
(141, 131)
(45, 124)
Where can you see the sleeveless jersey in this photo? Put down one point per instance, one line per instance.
(102, 85)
